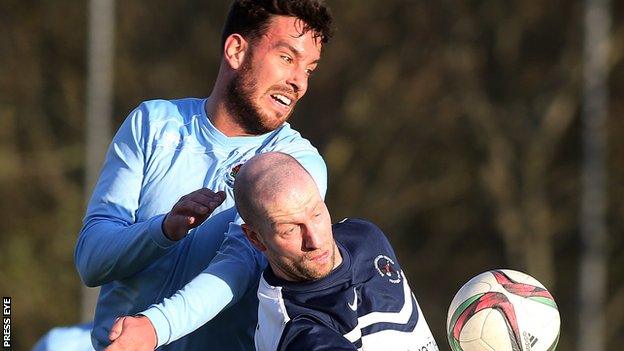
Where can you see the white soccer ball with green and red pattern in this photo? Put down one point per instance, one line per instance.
(503, 310)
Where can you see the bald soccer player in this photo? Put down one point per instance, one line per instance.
(327, 287)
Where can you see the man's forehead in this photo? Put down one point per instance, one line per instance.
(292, 30)
(284, 209)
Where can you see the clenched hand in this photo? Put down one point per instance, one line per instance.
(191, 211)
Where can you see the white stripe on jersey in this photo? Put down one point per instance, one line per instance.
(272, 316)
(419, 339)
(401, 317)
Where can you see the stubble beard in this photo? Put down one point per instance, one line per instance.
(240, 105)
(303, 271)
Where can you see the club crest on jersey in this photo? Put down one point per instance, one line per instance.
(385, 267)
(231, 175)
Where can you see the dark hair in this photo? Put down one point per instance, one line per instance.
(250, 18)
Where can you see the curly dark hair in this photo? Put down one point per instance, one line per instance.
(250, 18)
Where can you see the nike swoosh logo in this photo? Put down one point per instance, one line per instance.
(353, 306)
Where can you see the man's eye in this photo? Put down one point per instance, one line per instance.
(290, 230)
(287, 59)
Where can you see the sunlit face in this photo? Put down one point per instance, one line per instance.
(273, 76)
(296, 231)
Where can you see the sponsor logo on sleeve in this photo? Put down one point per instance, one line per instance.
(385, 266)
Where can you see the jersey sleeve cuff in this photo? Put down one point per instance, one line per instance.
(160, 323)
(156, 233)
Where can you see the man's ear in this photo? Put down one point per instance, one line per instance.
(253, 237)
(234, 50)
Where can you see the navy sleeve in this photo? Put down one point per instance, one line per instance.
(354, 230)
(307, 334)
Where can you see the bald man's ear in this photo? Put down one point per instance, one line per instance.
(253, 237)
(234, 50)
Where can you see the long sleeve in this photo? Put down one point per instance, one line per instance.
(235, 269)
(111, 244)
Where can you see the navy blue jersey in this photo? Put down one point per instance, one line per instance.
(364, 304)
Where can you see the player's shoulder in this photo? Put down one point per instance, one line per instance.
(358, 227)
(165, 122)
(359, 235)
(368, 247)
(288, 140)
(181, 110)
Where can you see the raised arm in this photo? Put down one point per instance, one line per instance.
(115, 241)
(111, 244)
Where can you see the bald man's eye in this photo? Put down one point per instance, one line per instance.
(290, 230)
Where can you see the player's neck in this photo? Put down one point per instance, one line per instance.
(219, 116)
(338, 259)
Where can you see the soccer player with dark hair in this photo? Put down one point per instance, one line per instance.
(327, 287)
(162, 215)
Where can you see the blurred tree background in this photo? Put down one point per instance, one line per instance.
(454, 125)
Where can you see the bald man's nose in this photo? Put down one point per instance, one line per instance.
(311, 239)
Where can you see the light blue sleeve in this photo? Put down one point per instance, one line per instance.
(235, 270)
(188, 309)
(72, 338)
(111, 245)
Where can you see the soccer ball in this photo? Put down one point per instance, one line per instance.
(503, 310)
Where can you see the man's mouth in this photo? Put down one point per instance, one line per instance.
(282, 99)
(320, 257)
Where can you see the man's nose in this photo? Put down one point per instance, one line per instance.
(311, 239)
(298, 80)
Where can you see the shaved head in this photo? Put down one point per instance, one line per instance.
(266, 177)
(285, 217)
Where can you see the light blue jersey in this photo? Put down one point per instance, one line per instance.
(163, 151)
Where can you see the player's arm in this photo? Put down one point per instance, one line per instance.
(235, 269)
(307, 334)
(377, 238)
(111, 245)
